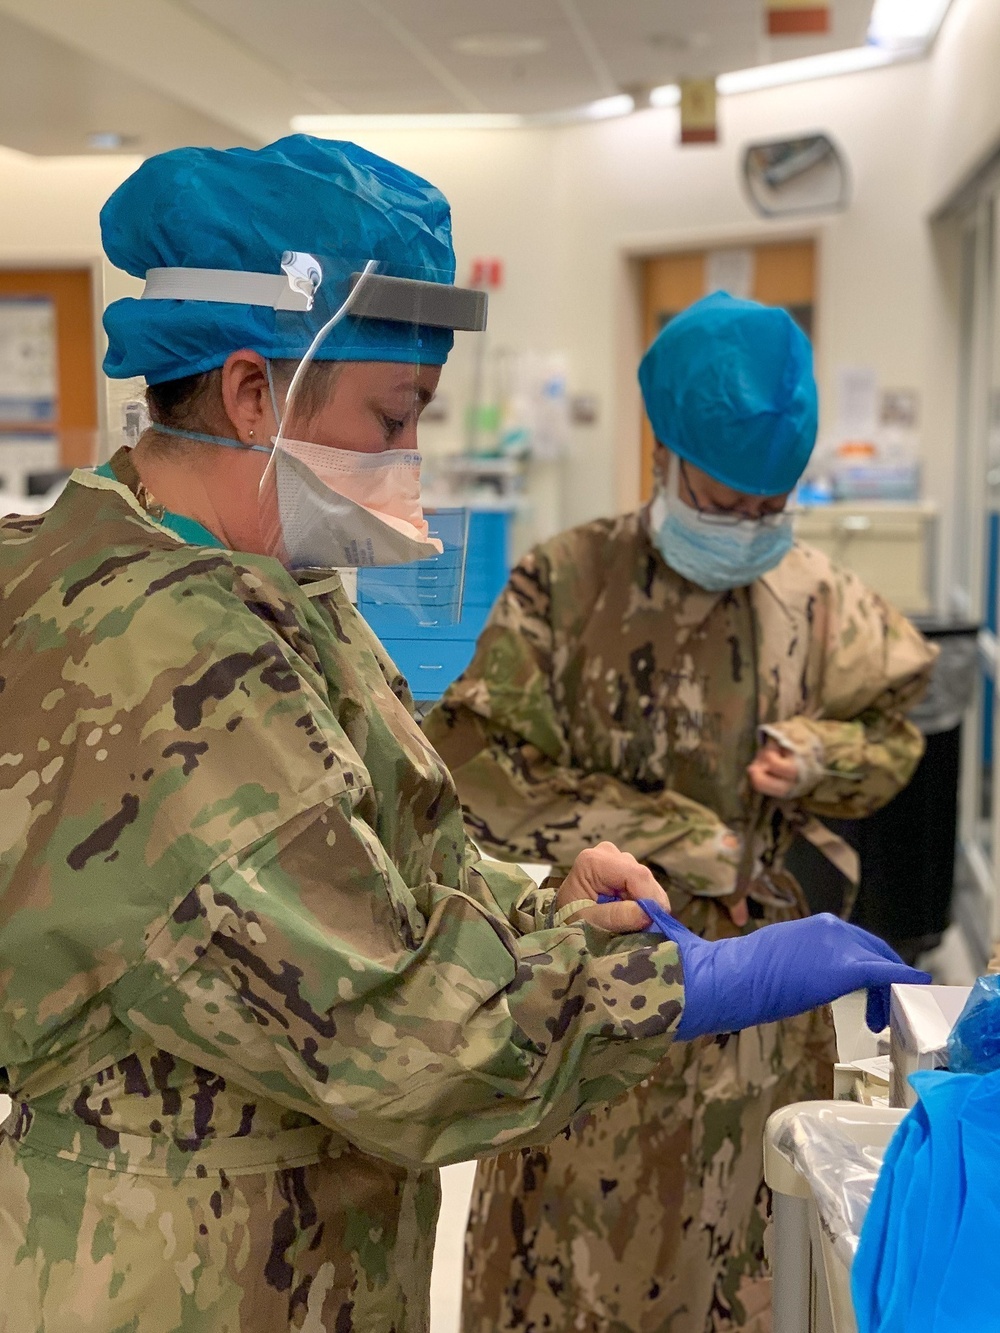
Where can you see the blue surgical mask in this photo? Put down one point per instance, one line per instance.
(715, 555)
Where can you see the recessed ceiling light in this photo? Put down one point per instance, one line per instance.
(668, 94)
(605, 108)
(669, 41)
(107, 141)
(499, 45)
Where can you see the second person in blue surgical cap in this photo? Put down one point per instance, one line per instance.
(688, 682)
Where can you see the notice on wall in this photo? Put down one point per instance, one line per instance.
(28, 370)
(699, 111)
(857, 402)
(731, 271)
(900, 408)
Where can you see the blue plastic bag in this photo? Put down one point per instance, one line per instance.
(926, 1260)
(974, 1044)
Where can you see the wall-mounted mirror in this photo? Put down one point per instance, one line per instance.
(788, 176)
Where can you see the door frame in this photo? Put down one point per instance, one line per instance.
(632, 252)
(979, 223)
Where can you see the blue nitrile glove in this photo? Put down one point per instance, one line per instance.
(779, 971)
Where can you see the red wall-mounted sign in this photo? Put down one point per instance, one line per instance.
(486, 274)
(789, 18)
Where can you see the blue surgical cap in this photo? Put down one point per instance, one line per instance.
(728, 385)
(242, 209)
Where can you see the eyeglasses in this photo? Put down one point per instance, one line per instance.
(730, 518)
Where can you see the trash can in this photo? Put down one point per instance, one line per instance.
(907, 849)
(821, 1162)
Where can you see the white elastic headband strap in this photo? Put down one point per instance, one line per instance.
(227, 286)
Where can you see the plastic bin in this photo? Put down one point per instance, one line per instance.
(812, 1290)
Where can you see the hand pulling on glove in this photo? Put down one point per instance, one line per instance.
(778, 971)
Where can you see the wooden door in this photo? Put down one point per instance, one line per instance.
(783, 274)
(75, 420)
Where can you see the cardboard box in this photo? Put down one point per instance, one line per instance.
(863, 1081)
(920, 1020)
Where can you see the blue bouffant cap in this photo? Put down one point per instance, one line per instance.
(728, 385)
(247, 210)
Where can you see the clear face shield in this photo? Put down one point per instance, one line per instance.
(342, 486)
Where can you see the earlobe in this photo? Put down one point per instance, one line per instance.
(245, 396)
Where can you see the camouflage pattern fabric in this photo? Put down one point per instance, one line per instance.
(610, 698)
(255, 984)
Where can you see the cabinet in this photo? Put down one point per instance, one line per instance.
(889, 546)
(429, 651)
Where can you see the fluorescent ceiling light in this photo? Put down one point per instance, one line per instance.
(906, 25)
(605, 108)
(668, 94)
(823, 66)
(331, 126)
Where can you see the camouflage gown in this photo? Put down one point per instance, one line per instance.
(254, 984)
(611, 698)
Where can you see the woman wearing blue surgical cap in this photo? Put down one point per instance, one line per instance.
(256, 983)
(691, 684)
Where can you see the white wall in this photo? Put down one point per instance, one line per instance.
(49, 206)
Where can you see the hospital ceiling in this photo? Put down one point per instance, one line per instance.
(221, 72)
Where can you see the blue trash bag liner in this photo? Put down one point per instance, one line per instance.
(974, 1044)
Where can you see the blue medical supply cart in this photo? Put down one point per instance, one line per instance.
(431, 653)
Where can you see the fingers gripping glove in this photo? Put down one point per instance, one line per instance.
(779, 971)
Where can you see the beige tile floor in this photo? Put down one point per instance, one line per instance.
(446, 1277)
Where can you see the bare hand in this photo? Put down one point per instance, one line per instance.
(774, 770)
(604, 870)
(739, 913)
